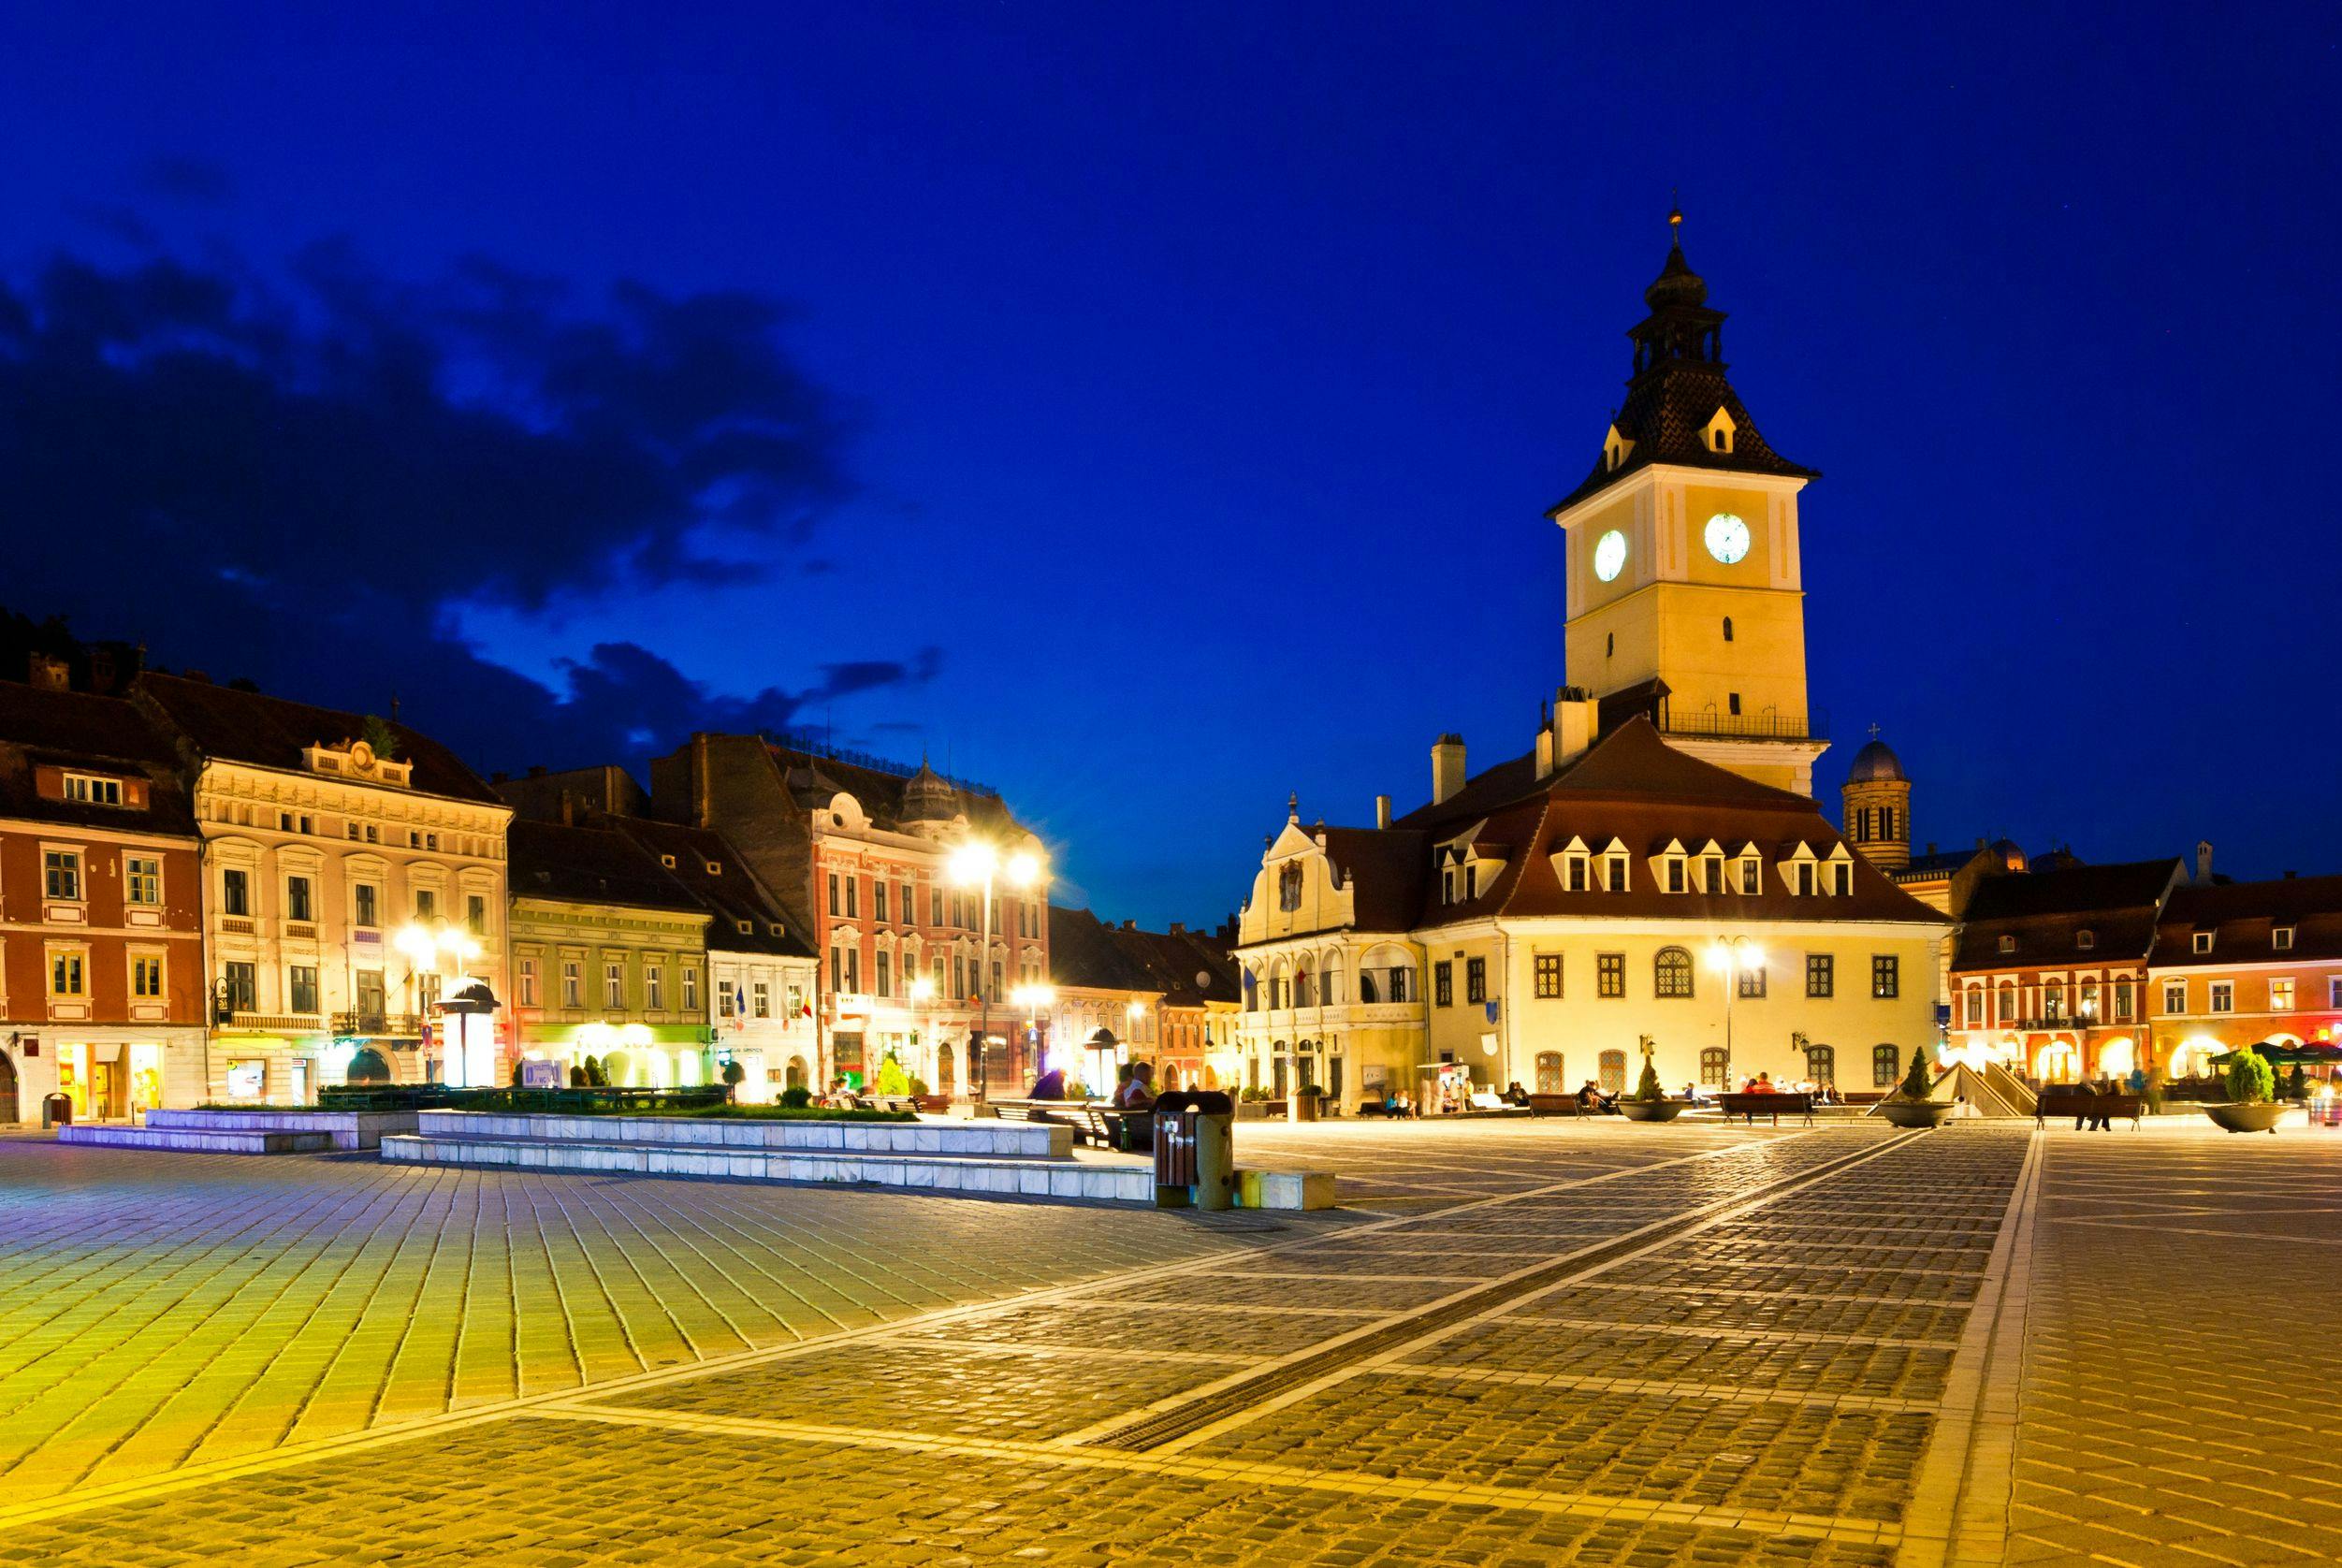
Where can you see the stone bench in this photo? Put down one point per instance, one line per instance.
(347, 1129)
(195, 1141)
(977, 1140)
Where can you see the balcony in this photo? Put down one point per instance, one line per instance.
(378, 1025)
(236, 925)
(2059, 1022)
(1744, 726)
(272, 1022)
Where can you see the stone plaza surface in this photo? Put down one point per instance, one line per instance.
(1518, 1342)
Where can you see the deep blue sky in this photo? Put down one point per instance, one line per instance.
(1166, 397)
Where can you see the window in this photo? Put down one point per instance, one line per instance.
(528, 982)
(690, 989)
(1843, 879)
(1752, 981)
(907, 910)
(1711, 874)
(2086, 939)
(959, 978)
(2008, 943)
(1476, 980)
(655, 987)
(66, 976)
(723, 998)
(1752, 875)
(300, 988)
(573, 987)
(1821, 975)
(1732, 701)
(2122, 1001)
(1675, 874)
(2333, 991)
(476, 914)
(1671, 973)
(1446, 887)
(142, 879)
(2223, 997)
(2053, 1002)
(146, 976)
(763, 1000)
(1715, 1067)
(297, 905)
(1975, 1007)
(1820, 1065)
(95, 791)
(1577, 873)
(60, 873)
(1619, 882)
(2175, 996)
(1550, 1079)
(1885, 1067)
(853, 888)
(2008, 1002)
(885, 963)
(366, 900)
(878, 900)
(1886, 975)
(2281, 938)
(239, 986)
(1403, 983)
(835, 907)
(1609, 974)
(2281, 995)
(1443, 984)
(1613, 1067)
(1727, 629)
(426, 904)
(614, 985)
(2202, 941)
(1549, 974)
(1805, 878)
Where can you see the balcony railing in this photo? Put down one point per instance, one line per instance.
(1745, 726)
(236, 925)
(273, 1023)
(2120, 1021)
(379, 1025)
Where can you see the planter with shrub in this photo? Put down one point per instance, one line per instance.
(1650, 1102)
(1914, 1105)
(2252, 1105)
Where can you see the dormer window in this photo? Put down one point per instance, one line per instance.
(1616, 449)
(1842, 879)
(667, 861)
(2202, 941)
(1751, 874)
(2086, 939)
(715, 868)
(2281, 938)
(1720, 432)
(1616, 878)
(745, 927)
(2007, 944)
(1711, 874)
(1676, 880)
(1805, 878)
(92, 790)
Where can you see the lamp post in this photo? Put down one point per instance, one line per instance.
(923, 991)
(1032, 998)
(976, 864)
(1732, 959)
(423, 947)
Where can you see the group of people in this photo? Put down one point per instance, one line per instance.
(1134, 1086)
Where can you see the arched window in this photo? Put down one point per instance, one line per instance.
(1304, 987)
(1727, 629)
(1550, 1079)
(1885, 1067)
(1289, 887)
(1715, 1067)
(1671, 973)
(2008, 1003)
(1367, 990)
(1614, 1072)
(1820, 1065)
(1609, 644)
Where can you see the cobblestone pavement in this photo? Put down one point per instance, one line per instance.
(1530, 1342)
(2175, 1407)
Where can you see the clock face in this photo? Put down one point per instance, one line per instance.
(1609, 555)
(1727, 537)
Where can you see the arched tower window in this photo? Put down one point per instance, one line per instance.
(1727, 629)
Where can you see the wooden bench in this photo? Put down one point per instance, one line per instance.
(1553, 1105)
(1774, 1106)
(888, 1102)
(2081, 1104)
(1097, 1125)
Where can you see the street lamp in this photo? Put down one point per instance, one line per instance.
(1733, 959)
(1032, 998)
(425, 949)
(921, 991)
(976, 864)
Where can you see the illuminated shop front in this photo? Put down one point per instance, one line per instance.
(639, 1055)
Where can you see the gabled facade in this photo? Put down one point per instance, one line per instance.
(101, 935)
(348, 888)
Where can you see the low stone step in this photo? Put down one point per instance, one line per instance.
(348, 1130)
(195, 1141)
(987, 1139)
(970, 1174)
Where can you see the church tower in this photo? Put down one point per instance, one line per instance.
(1877, 800)
(1685, 595)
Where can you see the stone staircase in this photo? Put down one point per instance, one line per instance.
(245, 1132)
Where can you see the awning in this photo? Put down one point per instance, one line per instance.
(2289, 1055)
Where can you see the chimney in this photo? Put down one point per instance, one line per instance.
(1382, 811)
(703, 803)
(1179, 928)
(2204, 861)
(536, 770)
(51, 673)
(1576, 715)
(1447, 767)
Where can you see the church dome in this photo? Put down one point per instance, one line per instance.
(1876, 763)
(1677, 285)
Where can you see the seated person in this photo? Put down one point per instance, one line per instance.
(1137, 1091)
(1050, 1085)
(1516, 1095)
(1589, 1096)
(1763, 1085)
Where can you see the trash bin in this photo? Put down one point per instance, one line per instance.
(1195, 1162)
(56, 1110)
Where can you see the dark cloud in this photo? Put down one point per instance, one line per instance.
(297, 479)
(185, 178)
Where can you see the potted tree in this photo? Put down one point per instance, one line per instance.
(1650, 1102)
(1306, 1101)
(2252, 1104)
(1914, 1104)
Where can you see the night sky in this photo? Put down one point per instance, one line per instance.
(1150, 410)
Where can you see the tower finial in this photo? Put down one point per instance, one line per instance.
(1874, 731)
(1675, 219)
(1293, 806)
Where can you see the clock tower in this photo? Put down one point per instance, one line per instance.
(1685, 590)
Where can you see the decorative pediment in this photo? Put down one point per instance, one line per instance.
(357, 759)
